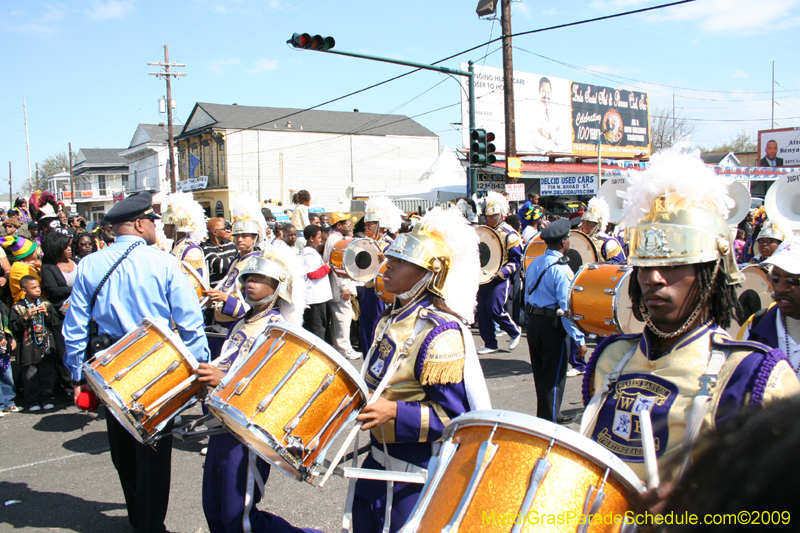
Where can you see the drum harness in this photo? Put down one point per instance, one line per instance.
(700, 403)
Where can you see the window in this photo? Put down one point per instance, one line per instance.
(101, 185)
(125, 180)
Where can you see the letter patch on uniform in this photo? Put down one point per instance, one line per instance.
(618, 427)
(382, 355)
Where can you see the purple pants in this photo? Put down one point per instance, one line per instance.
(492, 298)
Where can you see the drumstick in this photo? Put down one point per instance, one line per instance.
(649, 446)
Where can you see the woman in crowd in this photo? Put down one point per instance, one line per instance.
(82, 245)
(11, 225)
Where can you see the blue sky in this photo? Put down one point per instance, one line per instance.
(82, 67)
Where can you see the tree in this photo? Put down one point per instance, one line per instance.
(51, 166)
(743, 142)
(667, 130)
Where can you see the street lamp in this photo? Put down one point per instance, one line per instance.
(607, 135)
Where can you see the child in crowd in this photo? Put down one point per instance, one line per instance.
(7, 345)
(32, 321)
(738, 245)
(318, 287)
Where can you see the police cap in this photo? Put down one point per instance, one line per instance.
(556, 231)
(135, 206)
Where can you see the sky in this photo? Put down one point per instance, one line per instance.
(81, 65)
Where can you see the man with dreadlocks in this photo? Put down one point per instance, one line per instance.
(684, 369)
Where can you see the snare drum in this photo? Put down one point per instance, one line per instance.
(145, 379)
(196, 283)
(289, 398)
(490, 247)
(380, 289)
(598, 300)
(511, 464)
(535, 248)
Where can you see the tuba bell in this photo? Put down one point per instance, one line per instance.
(741, 202)
(782, 201)
(608, 192)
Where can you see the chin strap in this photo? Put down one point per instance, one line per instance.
(418, 286)
(271, 299)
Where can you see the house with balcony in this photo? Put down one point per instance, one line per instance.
(98, 174)
(271, 153)
(58, 184)
(147, 156)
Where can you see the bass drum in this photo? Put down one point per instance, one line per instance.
(361, 259)
(582, 250)
(754, 294)
(599, 303)
(491, 253)
(535, 248)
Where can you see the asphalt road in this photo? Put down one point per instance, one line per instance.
(56, 464)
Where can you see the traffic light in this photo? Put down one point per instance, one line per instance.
(481, 149)
(309, 42)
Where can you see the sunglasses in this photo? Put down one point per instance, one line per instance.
(793, 282)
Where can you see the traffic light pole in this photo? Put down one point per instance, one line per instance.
(472, 184)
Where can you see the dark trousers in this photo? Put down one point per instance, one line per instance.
(38, 380)
(549, 357)
(369, 504)
(144, 474)
(63, 375)
(315, 319)
(372, 307)
(492, 298)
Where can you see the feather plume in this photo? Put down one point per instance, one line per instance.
(601, 206)
(466, 209)
(162, 243)
(682, 178)
(185, 206)
(461, 284)
(391, 216)
(496, 202)
(248, 208)
(290, 311)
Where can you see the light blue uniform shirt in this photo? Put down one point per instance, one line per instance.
(553, 290)
(147, 284)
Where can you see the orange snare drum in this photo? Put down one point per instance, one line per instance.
(380, 289)
(288, 399)
(145, 379)
(598, 300)
(510, 464)
(196, 283)
(490, 247)
(535, 248)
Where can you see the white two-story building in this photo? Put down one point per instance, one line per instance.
(98, 175)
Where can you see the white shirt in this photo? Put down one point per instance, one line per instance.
(317, 290)
(529, 233)
(792, 351)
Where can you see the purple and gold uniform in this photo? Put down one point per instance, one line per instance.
(492, 296)
(372, 307)
(430, 391)
(609, 248)
(186, 250)
(666, 384)
(234, 308)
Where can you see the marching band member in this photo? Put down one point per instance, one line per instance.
(492, 296)
(140, 282)
(249, 230)
(768, 240)
(339, 307)
(185, 225)
(684, 369)
(779, 325)
(434, 272)
(593, 223)
(234, 475)
(381, 216)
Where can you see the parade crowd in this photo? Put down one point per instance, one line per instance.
(654, 397)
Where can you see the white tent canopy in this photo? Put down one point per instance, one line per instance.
(445, 180)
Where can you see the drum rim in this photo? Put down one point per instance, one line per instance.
(490, 231)
(193, 272)
(169, 334)
(617, 304)
(326, 348)
(588, 239)
(344, 254)
(568, 438)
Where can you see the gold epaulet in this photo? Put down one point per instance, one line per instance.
(195, 258)
(513, 239)
(612, 248)
(444, 355)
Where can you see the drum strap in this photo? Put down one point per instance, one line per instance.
(563, 260)
(700, 406)
(597, 401)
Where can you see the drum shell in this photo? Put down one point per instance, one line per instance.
(380, 289)
(599, 302)
(491, 253)
(171, 394)
(264, 431)
(756, 279)
(577, 464)
(337, 256)
(535, 248)
(196, 283)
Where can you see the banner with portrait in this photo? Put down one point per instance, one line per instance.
(779, 148)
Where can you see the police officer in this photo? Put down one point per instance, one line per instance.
(146, 283)
(546, 293)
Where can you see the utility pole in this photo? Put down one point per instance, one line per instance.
(10, 191)
(72, 181)
(773, 96)
(673, 118)
(166, 74)
(508, 83)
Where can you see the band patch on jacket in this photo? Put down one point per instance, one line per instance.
(233, 276)
(618, 427)
(232, 347)
(385, 350)
(443, 356)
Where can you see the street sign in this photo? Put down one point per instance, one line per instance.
(491, 182)
(514, 167)
(515, 192)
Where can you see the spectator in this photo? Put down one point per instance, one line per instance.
(104, 235)
(82, 245)
(324, 220)
(326, 231)
(58, 275)
(77, 223)
(32, 321)
(20, 204)
(318, 287)
(302, 199)
(11, 225)
(220, 252)
(738, 245)
(313, 218)
(26, 262)
(3, 215)
(289, 234)
(64, 222)
(33, 229)
(7, 345)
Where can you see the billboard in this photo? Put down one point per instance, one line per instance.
(558, 116)
(779, 148)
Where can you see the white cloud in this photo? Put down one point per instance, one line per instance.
(110, 9)
(740, 74)
(262, 65)
(42, 25)
(748, 16)
(523, 9)
(217, 66)
(276, 4)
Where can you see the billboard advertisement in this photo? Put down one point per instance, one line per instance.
(558, 116)
(779, 148)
